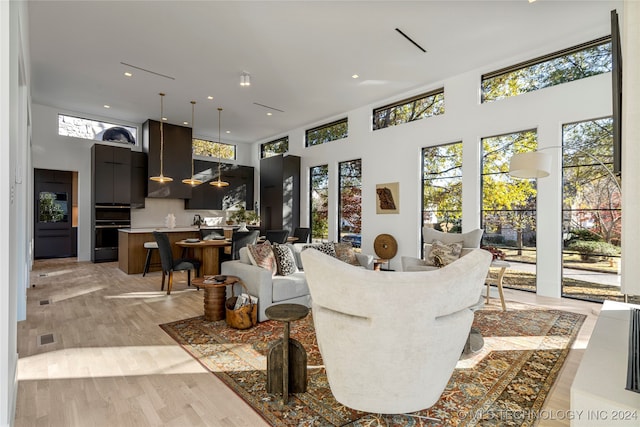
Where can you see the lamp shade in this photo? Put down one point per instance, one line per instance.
(532, 164)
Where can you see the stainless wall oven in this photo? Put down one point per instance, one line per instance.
(107, 220)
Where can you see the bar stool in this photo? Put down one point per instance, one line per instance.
(150, 247)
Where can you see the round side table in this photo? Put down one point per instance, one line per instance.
(214, 296)
(287, 356)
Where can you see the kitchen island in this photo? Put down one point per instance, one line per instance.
(131, 251)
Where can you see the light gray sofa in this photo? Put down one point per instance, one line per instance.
(470, 240)
(270, 290)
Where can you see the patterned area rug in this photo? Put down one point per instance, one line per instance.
(505, 383)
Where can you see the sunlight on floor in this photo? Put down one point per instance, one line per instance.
(94, 362)
(151, 294)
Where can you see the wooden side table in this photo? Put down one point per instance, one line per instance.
(287, 359)
(502, 265)
(214, 296)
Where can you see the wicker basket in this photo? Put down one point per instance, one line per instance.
(243, 317)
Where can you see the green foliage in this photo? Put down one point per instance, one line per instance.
(442, 171)
(202, 147)
(273, 148)
(49, 210)
(588, 249)
(409, 110)
(572, 66)
(584, 235)
(330, 132)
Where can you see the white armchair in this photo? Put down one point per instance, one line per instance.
(390, 340)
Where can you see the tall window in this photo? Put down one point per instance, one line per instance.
(350, 202)
(591, 212)
(319, 202)
(508, 211)
(587, 59)
(202, 147)
(95, 130)
(405, 111)
(442, 187)
(273, 148)
(326, 133)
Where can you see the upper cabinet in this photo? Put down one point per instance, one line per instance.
(111, 174)
(139, 179)
(239, 191)
(280, 193)
(177, 159)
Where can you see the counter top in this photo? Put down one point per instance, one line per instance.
(163, 229)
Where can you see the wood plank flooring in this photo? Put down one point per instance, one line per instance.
(111, 365)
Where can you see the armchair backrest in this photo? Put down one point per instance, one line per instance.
(302, 233)
(390, 340)
(470, 239)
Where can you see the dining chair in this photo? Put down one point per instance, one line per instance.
(169, 264)
(240, 239)
(277, 236)
(302, 233)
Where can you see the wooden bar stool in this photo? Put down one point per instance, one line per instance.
(150, 247)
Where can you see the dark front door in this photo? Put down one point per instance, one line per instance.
(53, 211)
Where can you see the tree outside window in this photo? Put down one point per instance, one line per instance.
(319, 201)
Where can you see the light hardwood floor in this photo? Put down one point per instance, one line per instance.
(111, 365)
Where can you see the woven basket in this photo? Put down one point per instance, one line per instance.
(243, 317)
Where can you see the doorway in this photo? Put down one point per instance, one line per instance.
(55, 214)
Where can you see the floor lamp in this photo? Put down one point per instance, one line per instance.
(536, 164)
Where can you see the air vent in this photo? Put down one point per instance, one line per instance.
(411, 40)
(45, 302)
(45, 339)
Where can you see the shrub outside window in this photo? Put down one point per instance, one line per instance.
(326, 133)
(408, 110)
(585, 60)
(319, 201)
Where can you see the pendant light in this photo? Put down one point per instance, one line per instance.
(193, 181)
(161, 178)
(219, 183)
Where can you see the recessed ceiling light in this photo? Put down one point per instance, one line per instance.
(269, 114)
(164, 119)
(228, 131)
(185, 123)
(106, 106)
(355, 76)
(128, 74)
(209, 97)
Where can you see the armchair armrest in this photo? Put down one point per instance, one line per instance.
(365, 260)
(257, 280)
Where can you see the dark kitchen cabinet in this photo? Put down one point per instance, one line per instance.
(280, 193)
(177, 159)
(239, 191)
(139, 179)
(111, 173)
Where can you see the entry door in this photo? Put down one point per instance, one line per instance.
(53, 237)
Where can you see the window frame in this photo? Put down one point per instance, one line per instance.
(344, 120)
(340, 207)
(128, 127)
(433, 93)
(284, 139)
(311, 200)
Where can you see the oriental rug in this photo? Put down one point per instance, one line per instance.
(505, 383)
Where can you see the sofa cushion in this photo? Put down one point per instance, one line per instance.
(345, 252)
(262, 255)
(244, 255)
(288, 287)
(285, 259)
(443, 254)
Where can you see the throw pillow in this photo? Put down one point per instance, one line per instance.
(326, 247)
(345, 252)
(262, 255)
(441, 254)
(285, 260)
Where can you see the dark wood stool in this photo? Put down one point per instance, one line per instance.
(287, 359)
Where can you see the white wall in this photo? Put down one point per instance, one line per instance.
(52, 151)
(14, 191)
(393, 155)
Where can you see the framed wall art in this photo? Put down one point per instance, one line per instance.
(388, 198)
